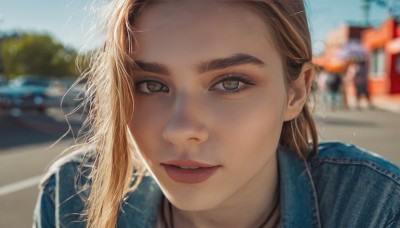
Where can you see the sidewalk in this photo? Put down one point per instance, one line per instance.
(389, 103)
(386, 102)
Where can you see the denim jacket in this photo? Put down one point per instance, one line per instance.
(340, 186)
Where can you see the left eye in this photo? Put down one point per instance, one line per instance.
(231, 85)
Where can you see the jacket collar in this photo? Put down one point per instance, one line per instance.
(299, 203)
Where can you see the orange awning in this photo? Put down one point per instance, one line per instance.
(330, 63)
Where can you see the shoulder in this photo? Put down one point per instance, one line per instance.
(62, 190)
(68, 166)
(67, 180)
(347, 155)
(355, 186)
(66, 186)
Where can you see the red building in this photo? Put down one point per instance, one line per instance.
(383, 44)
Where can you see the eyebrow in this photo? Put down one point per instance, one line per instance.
(234, 60)
(151, 67)
(215, 64)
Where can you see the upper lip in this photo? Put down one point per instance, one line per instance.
(188, 163)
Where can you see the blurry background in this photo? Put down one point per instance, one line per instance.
(40, 41)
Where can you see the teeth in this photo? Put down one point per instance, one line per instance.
(186, 167)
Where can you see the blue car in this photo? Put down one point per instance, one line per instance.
(27, 93)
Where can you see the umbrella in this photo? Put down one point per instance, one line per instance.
(330, 62)
(335, 65)
(353, 52)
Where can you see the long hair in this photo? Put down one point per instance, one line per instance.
(112, 104)
(291, 35)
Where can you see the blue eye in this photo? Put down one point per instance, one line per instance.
(231, 84)
(150, 86)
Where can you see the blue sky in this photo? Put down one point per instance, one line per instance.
(69, 21)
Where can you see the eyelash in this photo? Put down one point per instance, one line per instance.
(244, 83)
(146, 81)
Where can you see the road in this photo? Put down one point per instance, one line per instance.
(25, 152)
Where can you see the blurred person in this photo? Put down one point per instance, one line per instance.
(334, 85)
(322, 78)
(200, 119)
(360, 80)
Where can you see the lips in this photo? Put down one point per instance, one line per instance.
(189, 172)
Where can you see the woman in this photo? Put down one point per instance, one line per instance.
(199, 119)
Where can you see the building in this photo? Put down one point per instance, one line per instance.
(383, 44)
(335, 40)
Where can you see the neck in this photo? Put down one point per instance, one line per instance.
(255, 205)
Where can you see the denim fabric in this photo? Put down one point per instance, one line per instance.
(355, 189)
(340, 186)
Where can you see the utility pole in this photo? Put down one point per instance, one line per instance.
(366, 7)
(392, 6)
(1, 47)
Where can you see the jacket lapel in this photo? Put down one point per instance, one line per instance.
(299, 203)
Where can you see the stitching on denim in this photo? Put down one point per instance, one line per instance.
(391, 221)
(39, 218)
(57, 200)
(360, 162)
(314, 193)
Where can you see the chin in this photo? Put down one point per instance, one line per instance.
(201, 204)
(190, 198)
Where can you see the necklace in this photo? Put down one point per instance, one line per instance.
(169, 223)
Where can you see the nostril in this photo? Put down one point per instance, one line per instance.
(185, 134)
(185, 125)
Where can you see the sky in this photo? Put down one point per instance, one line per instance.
(71, 21)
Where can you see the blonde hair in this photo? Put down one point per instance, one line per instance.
(112, 104)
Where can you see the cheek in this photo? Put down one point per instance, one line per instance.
(254, 129)
(145, 126)
(251, 129)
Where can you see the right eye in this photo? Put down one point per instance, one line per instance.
(150, 86)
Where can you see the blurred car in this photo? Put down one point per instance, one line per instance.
(28, 93)
(3, 82)
(76, 94)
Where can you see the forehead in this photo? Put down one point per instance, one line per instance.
(205, 9)
(178, 27)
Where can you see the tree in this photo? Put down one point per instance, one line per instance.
(5, 36)
(37, 54)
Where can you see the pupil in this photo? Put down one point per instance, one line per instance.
(154, 86)
(230, 84)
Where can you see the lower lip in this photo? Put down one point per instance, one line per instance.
(189, 176)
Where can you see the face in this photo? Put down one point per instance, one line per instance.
(210, 101)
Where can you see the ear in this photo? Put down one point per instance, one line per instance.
(299, 91)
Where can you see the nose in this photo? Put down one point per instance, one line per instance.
(186, 124)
